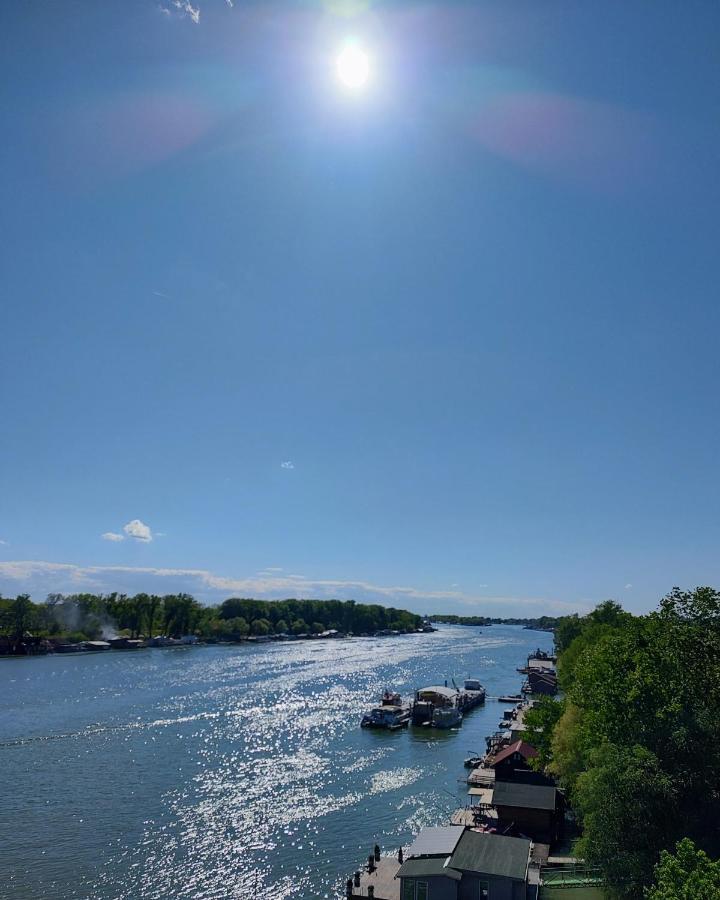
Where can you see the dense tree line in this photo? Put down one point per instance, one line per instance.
(636, 740)
(542, 623)
(91, 616)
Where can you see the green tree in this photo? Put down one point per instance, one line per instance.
(688, 874)
(260, 627)
(281, 627)
(299, 627)
(539, 723)
(627, 805)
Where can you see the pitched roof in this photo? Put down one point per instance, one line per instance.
(527, 751)
(492, 854)
(439, 840)
(428, 865)
(525, 796)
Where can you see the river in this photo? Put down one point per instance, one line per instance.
(230, 771)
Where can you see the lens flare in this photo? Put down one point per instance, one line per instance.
(353, 67)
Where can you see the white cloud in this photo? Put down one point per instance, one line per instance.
(186, 8)
(40, 578)
(288, 464)
(138, 530)
(4, 543)
(628, 587)
(112, 536)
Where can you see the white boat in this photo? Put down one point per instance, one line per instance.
(389, 717)
(391, 714)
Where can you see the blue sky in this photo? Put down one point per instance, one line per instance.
(448, 341)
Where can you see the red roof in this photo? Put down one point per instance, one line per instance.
(527, 751)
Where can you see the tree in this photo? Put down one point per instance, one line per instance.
(688, 874)
(281, 627)
(539, 722)
(317, 627)
(627, 805)
(20, 616)
(299, 627)
(260, 627)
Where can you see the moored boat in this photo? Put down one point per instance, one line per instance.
(392, 713)
(437, 707)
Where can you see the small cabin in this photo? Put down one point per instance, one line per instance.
(533, 810)
(455, 863)
(510, 759)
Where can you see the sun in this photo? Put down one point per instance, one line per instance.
(353, 67)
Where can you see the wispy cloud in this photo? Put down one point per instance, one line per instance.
(186, 8)
(287, 464)
(4, 543)
(112, 536)
(628, 587)
(138, 530)
(40, 578)
(160, 294)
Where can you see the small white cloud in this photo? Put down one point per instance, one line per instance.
(628, 587)
(187, 8)
(160, 294)
(138, 530)
(287, 464)
(112, 536)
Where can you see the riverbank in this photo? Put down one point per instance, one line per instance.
(43, 646)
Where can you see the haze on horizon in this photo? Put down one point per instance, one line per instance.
(402, 303)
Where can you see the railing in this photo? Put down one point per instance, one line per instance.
(570, 875)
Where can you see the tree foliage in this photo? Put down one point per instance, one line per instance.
(92, 616)
(687, 874)
(637, 744)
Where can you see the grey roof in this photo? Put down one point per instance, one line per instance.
(440, 840)
(438, 689)
(527, 796)
(492, 854)
(432, 865)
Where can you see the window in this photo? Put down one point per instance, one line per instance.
(414, 890)
(484, 892)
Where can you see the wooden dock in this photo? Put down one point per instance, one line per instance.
(382, 879)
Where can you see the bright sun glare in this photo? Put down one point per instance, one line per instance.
(353, 67)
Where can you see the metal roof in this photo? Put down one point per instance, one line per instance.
(439, 689)
(525, 796)
(433, 865)
(440, 840)
(522, 747)
(492, 854)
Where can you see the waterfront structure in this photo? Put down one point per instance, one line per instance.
(453, 863)
(534, 810)
(512, 758)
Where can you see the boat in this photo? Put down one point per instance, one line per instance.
(511, 698)
(391, 714)
(446, 717)
(437, 707)
(388, 717)
(473, 761)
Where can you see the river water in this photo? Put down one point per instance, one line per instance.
(230, 771)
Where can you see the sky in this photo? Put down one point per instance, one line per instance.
(447, 340)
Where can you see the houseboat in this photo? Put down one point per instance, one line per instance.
(437, 707)
(391, 714)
